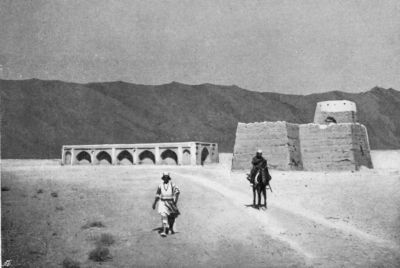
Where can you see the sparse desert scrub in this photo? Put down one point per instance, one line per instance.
(91, 224)
(70, 263)
(100, 254)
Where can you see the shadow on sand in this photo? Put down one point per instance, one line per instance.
(160, 229)
(256, 207)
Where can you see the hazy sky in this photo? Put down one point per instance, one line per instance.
(283, 46)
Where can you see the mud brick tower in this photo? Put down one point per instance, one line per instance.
(334, 141)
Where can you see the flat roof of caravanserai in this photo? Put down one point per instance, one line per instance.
(160, 144)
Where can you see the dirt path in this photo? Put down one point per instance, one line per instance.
(209, 232)
(216, 227)
(320, 241)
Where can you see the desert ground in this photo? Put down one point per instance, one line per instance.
(313, 219)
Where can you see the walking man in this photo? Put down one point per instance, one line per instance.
(168, 194)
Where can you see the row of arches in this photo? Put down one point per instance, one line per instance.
(168, 157)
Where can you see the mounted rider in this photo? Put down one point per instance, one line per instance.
(259, 165)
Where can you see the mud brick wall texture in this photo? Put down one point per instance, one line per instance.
(311, 147)
(361, 147)
(327, 147)
(270, 137)
(340, 117)
(295, 159)
(341, 144)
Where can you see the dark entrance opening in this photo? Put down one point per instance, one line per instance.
(125, 157)
(84, 158)
(147, 157)
(104, 158)
(204, 155)
(169, 157)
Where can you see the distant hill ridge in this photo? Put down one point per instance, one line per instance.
(38, 116)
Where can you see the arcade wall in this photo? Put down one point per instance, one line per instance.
(206, 153)
(185, 153)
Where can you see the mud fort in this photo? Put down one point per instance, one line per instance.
(334, 141)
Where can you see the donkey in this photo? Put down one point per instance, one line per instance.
(260, 185)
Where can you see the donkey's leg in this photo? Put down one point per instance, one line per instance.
(265, 196)
(254, 196)
(259, 197)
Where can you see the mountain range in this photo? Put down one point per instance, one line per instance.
(38, 117)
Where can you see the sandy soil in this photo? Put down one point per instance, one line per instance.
(314, 219)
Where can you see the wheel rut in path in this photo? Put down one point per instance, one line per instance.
(319, 240)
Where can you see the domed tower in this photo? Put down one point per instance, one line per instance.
(335, 111)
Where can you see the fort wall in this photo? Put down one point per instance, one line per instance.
(272, 138)
(334, 142)
(295, 158)
(327, 147)
(361, 147)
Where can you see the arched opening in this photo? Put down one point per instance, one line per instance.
(169, 157)
(84, 158)
(67, 158)
(186, 157)
(330, 119)
(147, 157)
(205, 156)
(125, 158)
(104, 158)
